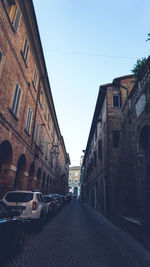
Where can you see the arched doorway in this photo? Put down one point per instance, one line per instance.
(50, 185)
(6, 157)
(6, 153)
(19, 178)
(43, 182)
(38, 182)
(76, 192)
(47, 185)
(31, 176)
(144, 139)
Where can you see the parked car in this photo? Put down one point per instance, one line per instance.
(68, 198)
(11, 232)
(62, 198)
(55, 204)
(58, 201)
(48, 202)
(30, 204)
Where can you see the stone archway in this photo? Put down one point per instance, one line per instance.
(38, 182)
(20, 179)
(31, 182)
(6, 172)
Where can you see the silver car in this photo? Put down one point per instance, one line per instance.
(30, 204)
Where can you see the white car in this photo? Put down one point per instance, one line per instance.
(30, 204)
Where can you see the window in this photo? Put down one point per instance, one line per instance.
(70, 180)
(76, 180)
(49, 119)
(25, 50)
(100, 119)
(116, 138)
(76, 174)
(19, 197)
(1, 56)
(45, 114)
(16, 99)
(70, 174)
(116, 100)
(46, 156)
(35, 79)
(95, 133)
(36, 133)
(42, 98)
(100, 149)
(42, 142)
(95, 159)
(28, 120)
(13, 12)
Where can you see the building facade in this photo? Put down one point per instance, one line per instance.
(32, 149)
(134, 166)
(74, 181)
(101, 159)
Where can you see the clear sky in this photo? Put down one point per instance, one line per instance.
(88, 43)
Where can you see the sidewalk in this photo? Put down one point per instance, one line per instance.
(126, 242)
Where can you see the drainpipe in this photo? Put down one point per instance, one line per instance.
(36, 106)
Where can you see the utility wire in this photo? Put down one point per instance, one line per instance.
(86, 54)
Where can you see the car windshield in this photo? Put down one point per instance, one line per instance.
(19, 197)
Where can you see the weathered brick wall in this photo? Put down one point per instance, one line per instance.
(133, 178)
(12, 128)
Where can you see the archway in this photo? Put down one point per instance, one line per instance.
(38, 183)
(31, 176)
(75, 191)
(21, 166)
(47, 185)
(43, 182)
(6, 176)
(6, 153)
(144, 139)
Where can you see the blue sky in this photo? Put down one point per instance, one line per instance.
(88, 43)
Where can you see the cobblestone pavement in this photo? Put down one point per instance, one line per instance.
(79, 237)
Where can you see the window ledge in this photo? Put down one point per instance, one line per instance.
(24, 59)
(27, 132)
(33, 86)
(10, 22)
(13, 114)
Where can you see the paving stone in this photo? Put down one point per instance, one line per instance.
(80, 237)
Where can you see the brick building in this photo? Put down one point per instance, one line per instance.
(32, 149)
(134, 167)
(74, 180)
(101, 160)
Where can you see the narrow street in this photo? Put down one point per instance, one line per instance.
(79, 237)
